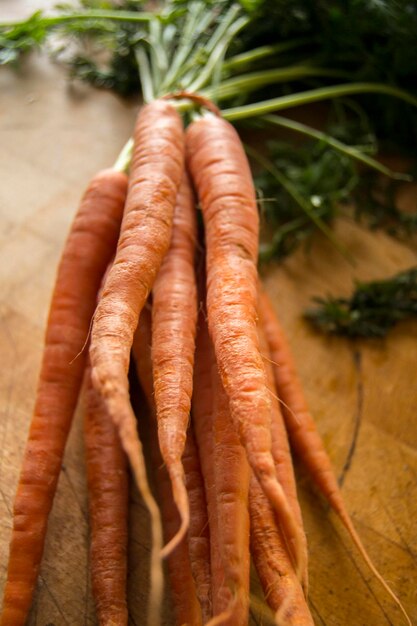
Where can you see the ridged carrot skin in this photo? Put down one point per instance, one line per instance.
(223, 181)
(155, 175)
(303, 433)
(231, 485)
(280, 447)
(301, 427)
(183, 592)
(141, 350)
(107, 482)
(174, 320)
(198, 530)
(202, 419)
(156, 171)
(282, 589)
(87, 252)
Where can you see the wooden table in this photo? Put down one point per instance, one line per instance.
(54, 136)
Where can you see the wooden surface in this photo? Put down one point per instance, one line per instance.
(54, 136)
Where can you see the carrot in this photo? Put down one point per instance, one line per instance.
(222, 177)
(186, 606)
(198, 531)
(221, 455)
(303, 433)
(88, 249)
(283, 591)
(202, 411)
(231, 485)
(155, 175)
(141, 349)
(108, 499)
(280, 447)
(174, 319)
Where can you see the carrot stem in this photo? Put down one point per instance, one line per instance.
(257, 54)
(255, 80)
(351, 151)
(92, 14)
(122, 162)
(314, 95)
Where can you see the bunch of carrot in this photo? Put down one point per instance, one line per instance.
(206, 343)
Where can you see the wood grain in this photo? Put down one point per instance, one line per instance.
(363, 394)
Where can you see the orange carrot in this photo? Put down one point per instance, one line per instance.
(186, 606)
(141, 349)
(202, 419)
(155, 175)
(303, 433)
(198, 531)
(220, 454)
(185, 602)
(283, 591)
(231, 486)
(88, 249)
(280, 448)
(108, 499)
(222, 177)
(174, 319)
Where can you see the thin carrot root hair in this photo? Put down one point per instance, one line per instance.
(348, 524)
(181, 501)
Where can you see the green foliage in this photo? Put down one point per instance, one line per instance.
(371, 311)
(323, 177)
(371, 40)
(309, 184)
(21, 38)
(120, 72)
(375, 203)
(327, 180)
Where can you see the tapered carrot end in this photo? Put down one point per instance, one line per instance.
(180, 495)
(291, 530)
(347, 522)
(119, 407)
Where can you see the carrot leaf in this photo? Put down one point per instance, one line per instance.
(372, 309)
